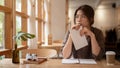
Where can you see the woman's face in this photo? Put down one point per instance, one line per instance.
(81, 19)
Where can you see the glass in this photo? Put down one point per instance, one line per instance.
(110, 57)
(29, 7)
(36, 8)
(2, 57)
(2, 2)
(18, 27)
(1, 29)
(18, 5)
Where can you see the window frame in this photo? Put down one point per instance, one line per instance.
(10, 23)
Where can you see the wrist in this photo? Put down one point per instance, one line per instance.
(92, 35)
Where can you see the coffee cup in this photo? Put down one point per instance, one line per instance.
(110, 57)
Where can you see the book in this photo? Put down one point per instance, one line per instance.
(79, 61)
(78, 40)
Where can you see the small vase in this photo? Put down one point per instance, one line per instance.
(15, 55)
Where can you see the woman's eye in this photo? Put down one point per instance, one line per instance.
(77, 16)
(83, 16)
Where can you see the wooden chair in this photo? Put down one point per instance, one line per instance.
(48, 53)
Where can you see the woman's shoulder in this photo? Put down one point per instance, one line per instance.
(96, 30)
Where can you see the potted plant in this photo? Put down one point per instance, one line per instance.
(23, 36)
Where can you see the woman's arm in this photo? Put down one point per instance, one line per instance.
(94, 44)
(67, 48)
(100, 40)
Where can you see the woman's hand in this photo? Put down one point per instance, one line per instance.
(76, 27)
(86, 31)
(94, 44)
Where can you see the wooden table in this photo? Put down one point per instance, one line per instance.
(55, 63)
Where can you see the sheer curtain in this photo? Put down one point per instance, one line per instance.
(32, 25)
(46, 8)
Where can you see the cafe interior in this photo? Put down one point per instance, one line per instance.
(41, 25)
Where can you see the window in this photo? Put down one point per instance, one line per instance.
(36, 8)
(18, 5)
(36, 24)
(21, 17)
(28, 26)
(18, 19)
(32, 22)
(2, 2)
(46, 18)
(2, 26)
(18, 26)
(1, 29)
(29, 7)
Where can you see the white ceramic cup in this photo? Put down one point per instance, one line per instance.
(110, 57)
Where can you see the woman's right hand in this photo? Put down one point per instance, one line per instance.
(76, 26)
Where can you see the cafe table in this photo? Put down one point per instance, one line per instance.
(55, 63)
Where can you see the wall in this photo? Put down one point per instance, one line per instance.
(105, 17)
(58, 18)
(118, 22)
(71, 15)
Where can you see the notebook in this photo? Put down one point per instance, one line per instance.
(70, 61)
(79, 61)
(78, 40)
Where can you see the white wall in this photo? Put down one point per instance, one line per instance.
(105, 17)
(58, 19)
(71, 14)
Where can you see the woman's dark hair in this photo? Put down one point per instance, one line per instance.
(88, 11)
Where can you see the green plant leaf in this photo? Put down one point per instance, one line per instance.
(23, 36)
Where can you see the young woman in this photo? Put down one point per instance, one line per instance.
(84, 16)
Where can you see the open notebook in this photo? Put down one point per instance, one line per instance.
(79, 41)
(79, 61)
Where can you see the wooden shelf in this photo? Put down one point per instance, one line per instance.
(4, 51)
(5, 9)
(22, 14)
(9, 51)
(22, 47)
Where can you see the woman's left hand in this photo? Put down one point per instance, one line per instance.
(86, 31)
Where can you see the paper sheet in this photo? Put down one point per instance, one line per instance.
(70, 61)
(79, 41)
(87, 61)
(80, 61)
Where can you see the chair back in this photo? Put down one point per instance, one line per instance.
(48, 53)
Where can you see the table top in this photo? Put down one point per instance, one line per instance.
(55, 63)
